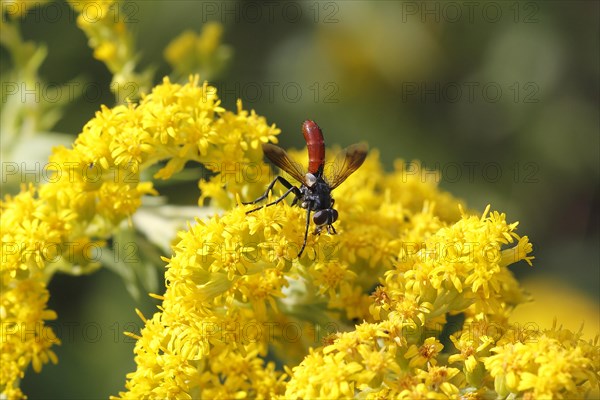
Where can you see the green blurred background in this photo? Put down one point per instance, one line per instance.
(502, 97)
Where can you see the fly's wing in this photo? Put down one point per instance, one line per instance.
(348, 161)
(279, 157)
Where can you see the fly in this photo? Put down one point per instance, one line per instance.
(314, 192)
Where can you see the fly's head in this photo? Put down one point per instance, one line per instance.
(325, 217)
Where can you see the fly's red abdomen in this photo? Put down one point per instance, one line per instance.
(316, 145)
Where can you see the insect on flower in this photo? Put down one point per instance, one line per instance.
(314, 193)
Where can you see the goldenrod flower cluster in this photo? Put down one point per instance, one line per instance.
(199, 53)
(554, 363)
(96, 184)
(105, 24)
(411, 299)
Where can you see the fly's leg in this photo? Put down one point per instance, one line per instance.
(330, 229)
(305, 231)
(291, 189)
(281, 179)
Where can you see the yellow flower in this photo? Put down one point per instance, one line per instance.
(25, 336)
(97, 184)
(210, 38)
(31, 234)
(473, 348)
(180, 48)
(424, 354)
(324, 376)
(190, 53)
(464, 264)
(105, 52)
(114, 45)
(241, 270)
(405, 260)
(440, 382)
(556, 364)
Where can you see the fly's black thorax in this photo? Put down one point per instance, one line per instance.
(316, 197)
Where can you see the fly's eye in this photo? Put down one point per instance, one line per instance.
(325, 217)
(333, 216)
(321, 218)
